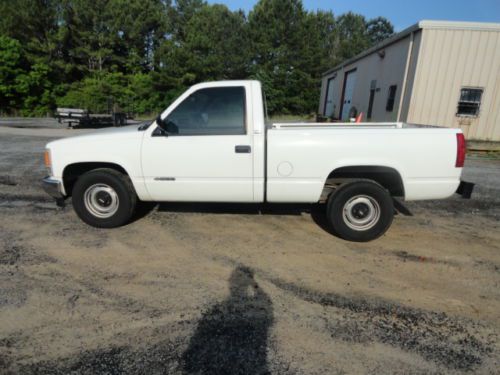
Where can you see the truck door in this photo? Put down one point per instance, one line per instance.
(206, 155)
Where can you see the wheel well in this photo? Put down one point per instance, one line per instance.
(387, 177)
(73, 171)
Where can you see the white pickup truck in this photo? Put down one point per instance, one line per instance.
(213, 144)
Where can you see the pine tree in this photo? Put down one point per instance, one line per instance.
(143, 53)
(276, 29)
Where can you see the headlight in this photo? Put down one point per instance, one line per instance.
(48, 162)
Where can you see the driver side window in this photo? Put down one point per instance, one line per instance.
(211, 111)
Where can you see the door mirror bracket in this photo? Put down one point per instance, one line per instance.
(166, 127)
(162, 124)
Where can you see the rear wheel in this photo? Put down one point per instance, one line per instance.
(104, 198)
(360, 211)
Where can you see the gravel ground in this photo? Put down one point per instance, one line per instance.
(224, 289)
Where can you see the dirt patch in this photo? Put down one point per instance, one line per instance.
(231, 337)
(435, 336)
(407, 257)
(198, 288)
(12, 291)
(459, 207)
(15, 255)
(491, 266)
(118, 360)
(10, 254)
(7, 180)
(27, 199)
(13, 251)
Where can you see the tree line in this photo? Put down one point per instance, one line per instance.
(143, 53)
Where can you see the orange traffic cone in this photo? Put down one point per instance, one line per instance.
(359, 118)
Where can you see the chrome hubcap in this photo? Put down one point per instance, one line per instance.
(101, 200)
(361, 212)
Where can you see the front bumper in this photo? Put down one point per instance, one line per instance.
(53, 188)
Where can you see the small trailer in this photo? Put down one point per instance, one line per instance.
(82, 117)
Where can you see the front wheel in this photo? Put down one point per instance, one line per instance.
(360, 211)
(104, 198)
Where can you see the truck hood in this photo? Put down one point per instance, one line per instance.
(99, 136)
(119, 146)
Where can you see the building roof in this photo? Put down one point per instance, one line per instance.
(424, 24)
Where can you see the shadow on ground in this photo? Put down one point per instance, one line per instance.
(317, 211)
(231, 337)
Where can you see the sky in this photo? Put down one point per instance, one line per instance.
(402, 13)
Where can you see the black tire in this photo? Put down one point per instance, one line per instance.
(115, 189)
(360, 211)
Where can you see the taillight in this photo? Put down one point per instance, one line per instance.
(460, 150)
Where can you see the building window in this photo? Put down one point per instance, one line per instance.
(391, 98)
(470, 101)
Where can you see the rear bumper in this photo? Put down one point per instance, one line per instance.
(53, 188)
(465, 189)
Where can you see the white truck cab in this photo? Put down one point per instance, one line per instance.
(213, 144)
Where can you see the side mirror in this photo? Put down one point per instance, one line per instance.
(161, 123)
(167, 126)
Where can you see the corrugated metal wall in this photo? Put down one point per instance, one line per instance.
(449, 60)
(410, 78)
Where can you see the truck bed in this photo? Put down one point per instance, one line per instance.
(301, 156)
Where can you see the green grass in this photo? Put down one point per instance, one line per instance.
(291, 118)
(145, 117)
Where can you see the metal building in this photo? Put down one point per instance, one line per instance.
(433, 73)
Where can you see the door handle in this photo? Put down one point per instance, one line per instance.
(242, 149)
